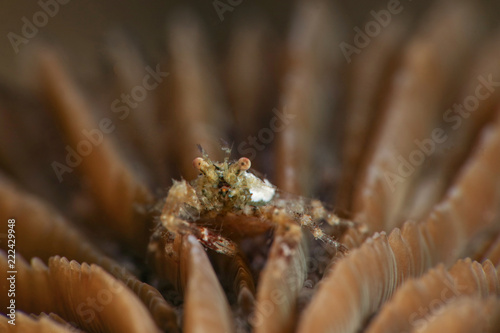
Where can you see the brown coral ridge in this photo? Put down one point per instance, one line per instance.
(118, 190)
(385, 197)
(81, 294)
(466, 314)
(371, 274)
(419, 299)
(49, 234)
(43, 324)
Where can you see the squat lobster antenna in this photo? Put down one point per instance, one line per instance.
(224, 145)
(202, 151)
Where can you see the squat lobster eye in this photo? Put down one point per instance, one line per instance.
(244, 163)
(199, 163)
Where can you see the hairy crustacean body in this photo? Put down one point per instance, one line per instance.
(228, 185)
(227, 191)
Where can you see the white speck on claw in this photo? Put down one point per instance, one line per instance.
(262, 191)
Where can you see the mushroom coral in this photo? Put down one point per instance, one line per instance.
(401, 137)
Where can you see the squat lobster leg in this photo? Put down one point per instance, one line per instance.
(319, 234)
(205, 236)
(176, 214)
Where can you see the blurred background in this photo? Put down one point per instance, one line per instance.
(79, 27)
(105, 45)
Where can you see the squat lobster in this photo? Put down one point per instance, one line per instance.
(228, 196)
